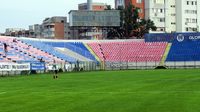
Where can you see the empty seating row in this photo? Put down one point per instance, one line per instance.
(129, 51)
(48, 49)
(21, 52)
(76, 47)
(184, 51)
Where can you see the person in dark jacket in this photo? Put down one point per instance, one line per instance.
(5, 46)
(55, 75)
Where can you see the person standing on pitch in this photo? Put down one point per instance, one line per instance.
(55, 75)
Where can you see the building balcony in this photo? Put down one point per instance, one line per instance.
(49, 30)
(91, 33)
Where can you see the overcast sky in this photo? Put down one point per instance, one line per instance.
(21, 13)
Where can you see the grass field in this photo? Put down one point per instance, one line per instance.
(110, 91)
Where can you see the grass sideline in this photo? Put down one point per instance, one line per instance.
(103, 91)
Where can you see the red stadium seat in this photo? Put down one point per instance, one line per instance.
(129, 51)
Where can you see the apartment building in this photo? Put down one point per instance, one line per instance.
(174, 15)
(156, 11)
(35, 31)
(119, 3)
(169, 15)
(187, 15)
(54, 28)
(17, 32)
(139, 4)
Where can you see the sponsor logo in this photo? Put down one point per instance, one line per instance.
(14, 66)
(194, 37)
(180, 38)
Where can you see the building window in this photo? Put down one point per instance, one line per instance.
(191, 11)
(173, 23)
(191, 20)
(161, 10)
(173, 6)
(191, 29)
(194, 29)
(173, 14)
(154, 10)
(162, 19)
(139, 1)
(140, 10)
(192, 3)
(188, 2)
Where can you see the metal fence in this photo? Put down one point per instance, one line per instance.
(7, 69)
(25, 68)
(152, 65)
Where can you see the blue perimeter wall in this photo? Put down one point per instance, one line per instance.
(172, 37)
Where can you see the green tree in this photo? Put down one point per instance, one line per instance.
(108, 7)
(131, 25)
(144, 27)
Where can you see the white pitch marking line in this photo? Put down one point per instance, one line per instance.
(153, 92)
(2, 93)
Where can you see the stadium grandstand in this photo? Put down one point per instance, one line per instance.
(170, 51)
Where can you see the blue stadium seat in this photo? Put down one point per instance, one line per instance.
(184, 51)
(48, 48)
(77, 47)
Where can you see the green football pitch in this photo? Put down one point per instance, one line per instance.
(103, 91)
